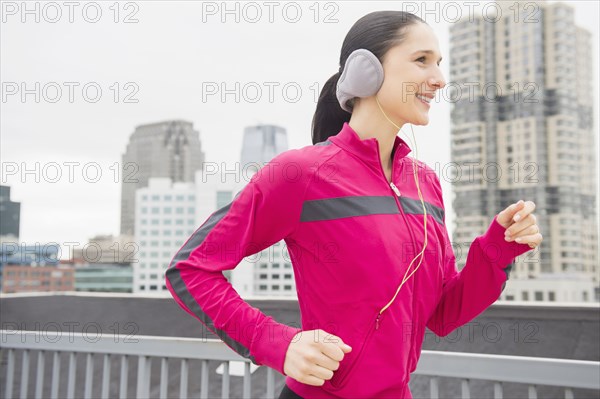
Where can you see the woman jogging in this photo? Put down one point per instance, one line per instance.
(365, 229)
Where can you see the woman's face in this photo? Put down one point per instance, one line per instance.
(411, 69)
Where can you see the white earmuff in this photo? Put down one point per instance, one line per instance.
(362, 77)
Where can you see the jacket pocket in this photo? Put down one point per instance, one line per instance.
(341, 375)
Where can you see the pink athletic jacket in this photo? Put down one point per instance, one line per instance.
(350, 236)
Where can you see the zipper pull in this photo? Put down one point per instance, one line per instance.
(377, 321)
(395, 189)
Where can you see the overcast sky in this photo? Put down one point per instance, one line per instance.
(160, 66)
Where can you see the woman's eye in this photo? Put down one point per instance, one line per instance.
(421, 59)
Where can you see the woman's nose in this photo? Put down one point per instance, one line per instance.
(438, 81)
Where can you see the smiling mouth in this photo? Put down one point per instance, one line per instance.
(422, 101)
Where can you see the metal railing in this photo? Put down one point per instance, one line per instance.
(464, 366)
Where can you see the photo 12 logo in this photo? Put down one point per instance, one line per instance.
(53, 12)
(55, 92)
(253, 12)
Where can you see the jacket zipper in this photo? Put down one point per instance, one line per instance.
(399, 194)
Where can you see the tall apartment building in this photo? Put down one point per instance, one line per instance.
(165, 149)
(523, 121)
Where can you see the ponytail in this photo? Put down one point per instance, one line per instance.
(329, 116)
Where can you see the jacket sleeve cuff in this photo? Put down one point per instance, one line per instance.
(272, 345)
(499, 252)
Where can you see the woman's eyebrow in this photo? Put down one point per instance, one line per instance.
(427, 52)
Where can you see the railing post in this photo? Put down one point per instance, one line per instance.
(465, 388)
(183, 383)
(247, 383)
(55, 375)
(164, 377)
(204, 380)
(89, 376)
(532, 392)
(434, 390)
(568, 393)
(25, 374)
(10, 374)
(225, 381)
(498, 394)
(143, 378)
(72, 375)
(124, 377)
(270, 383)
(39, 380)
(106, 376)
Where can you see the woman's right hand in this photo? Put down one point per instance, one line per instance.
(313, 356)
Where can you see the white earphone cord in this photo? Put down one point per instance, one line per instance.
(420, 254)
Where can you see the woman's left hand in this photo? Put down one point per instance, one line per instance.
(520, 224)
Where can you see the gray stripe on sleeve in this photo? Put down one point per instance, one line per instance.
(174, 276)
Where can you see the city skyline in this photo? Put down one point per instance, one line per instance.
(84, 133)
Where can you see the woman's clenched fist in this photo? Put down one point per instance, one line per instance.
(313, 356)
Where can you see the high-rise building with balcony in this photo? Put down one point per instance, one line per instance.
(522, 123)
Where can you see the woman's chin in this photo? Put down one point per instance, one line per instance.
(422, 120)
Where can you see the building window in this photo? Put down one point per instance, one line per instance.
(287, 287)
(510, 297)
(223, 198)
(275, 287)
(262, 277)
(275, 265)
(551, 296)
(262, 287)
(525, 295)
(539, 296)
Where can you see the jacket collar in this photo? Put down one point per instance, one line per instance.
(368, 149)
